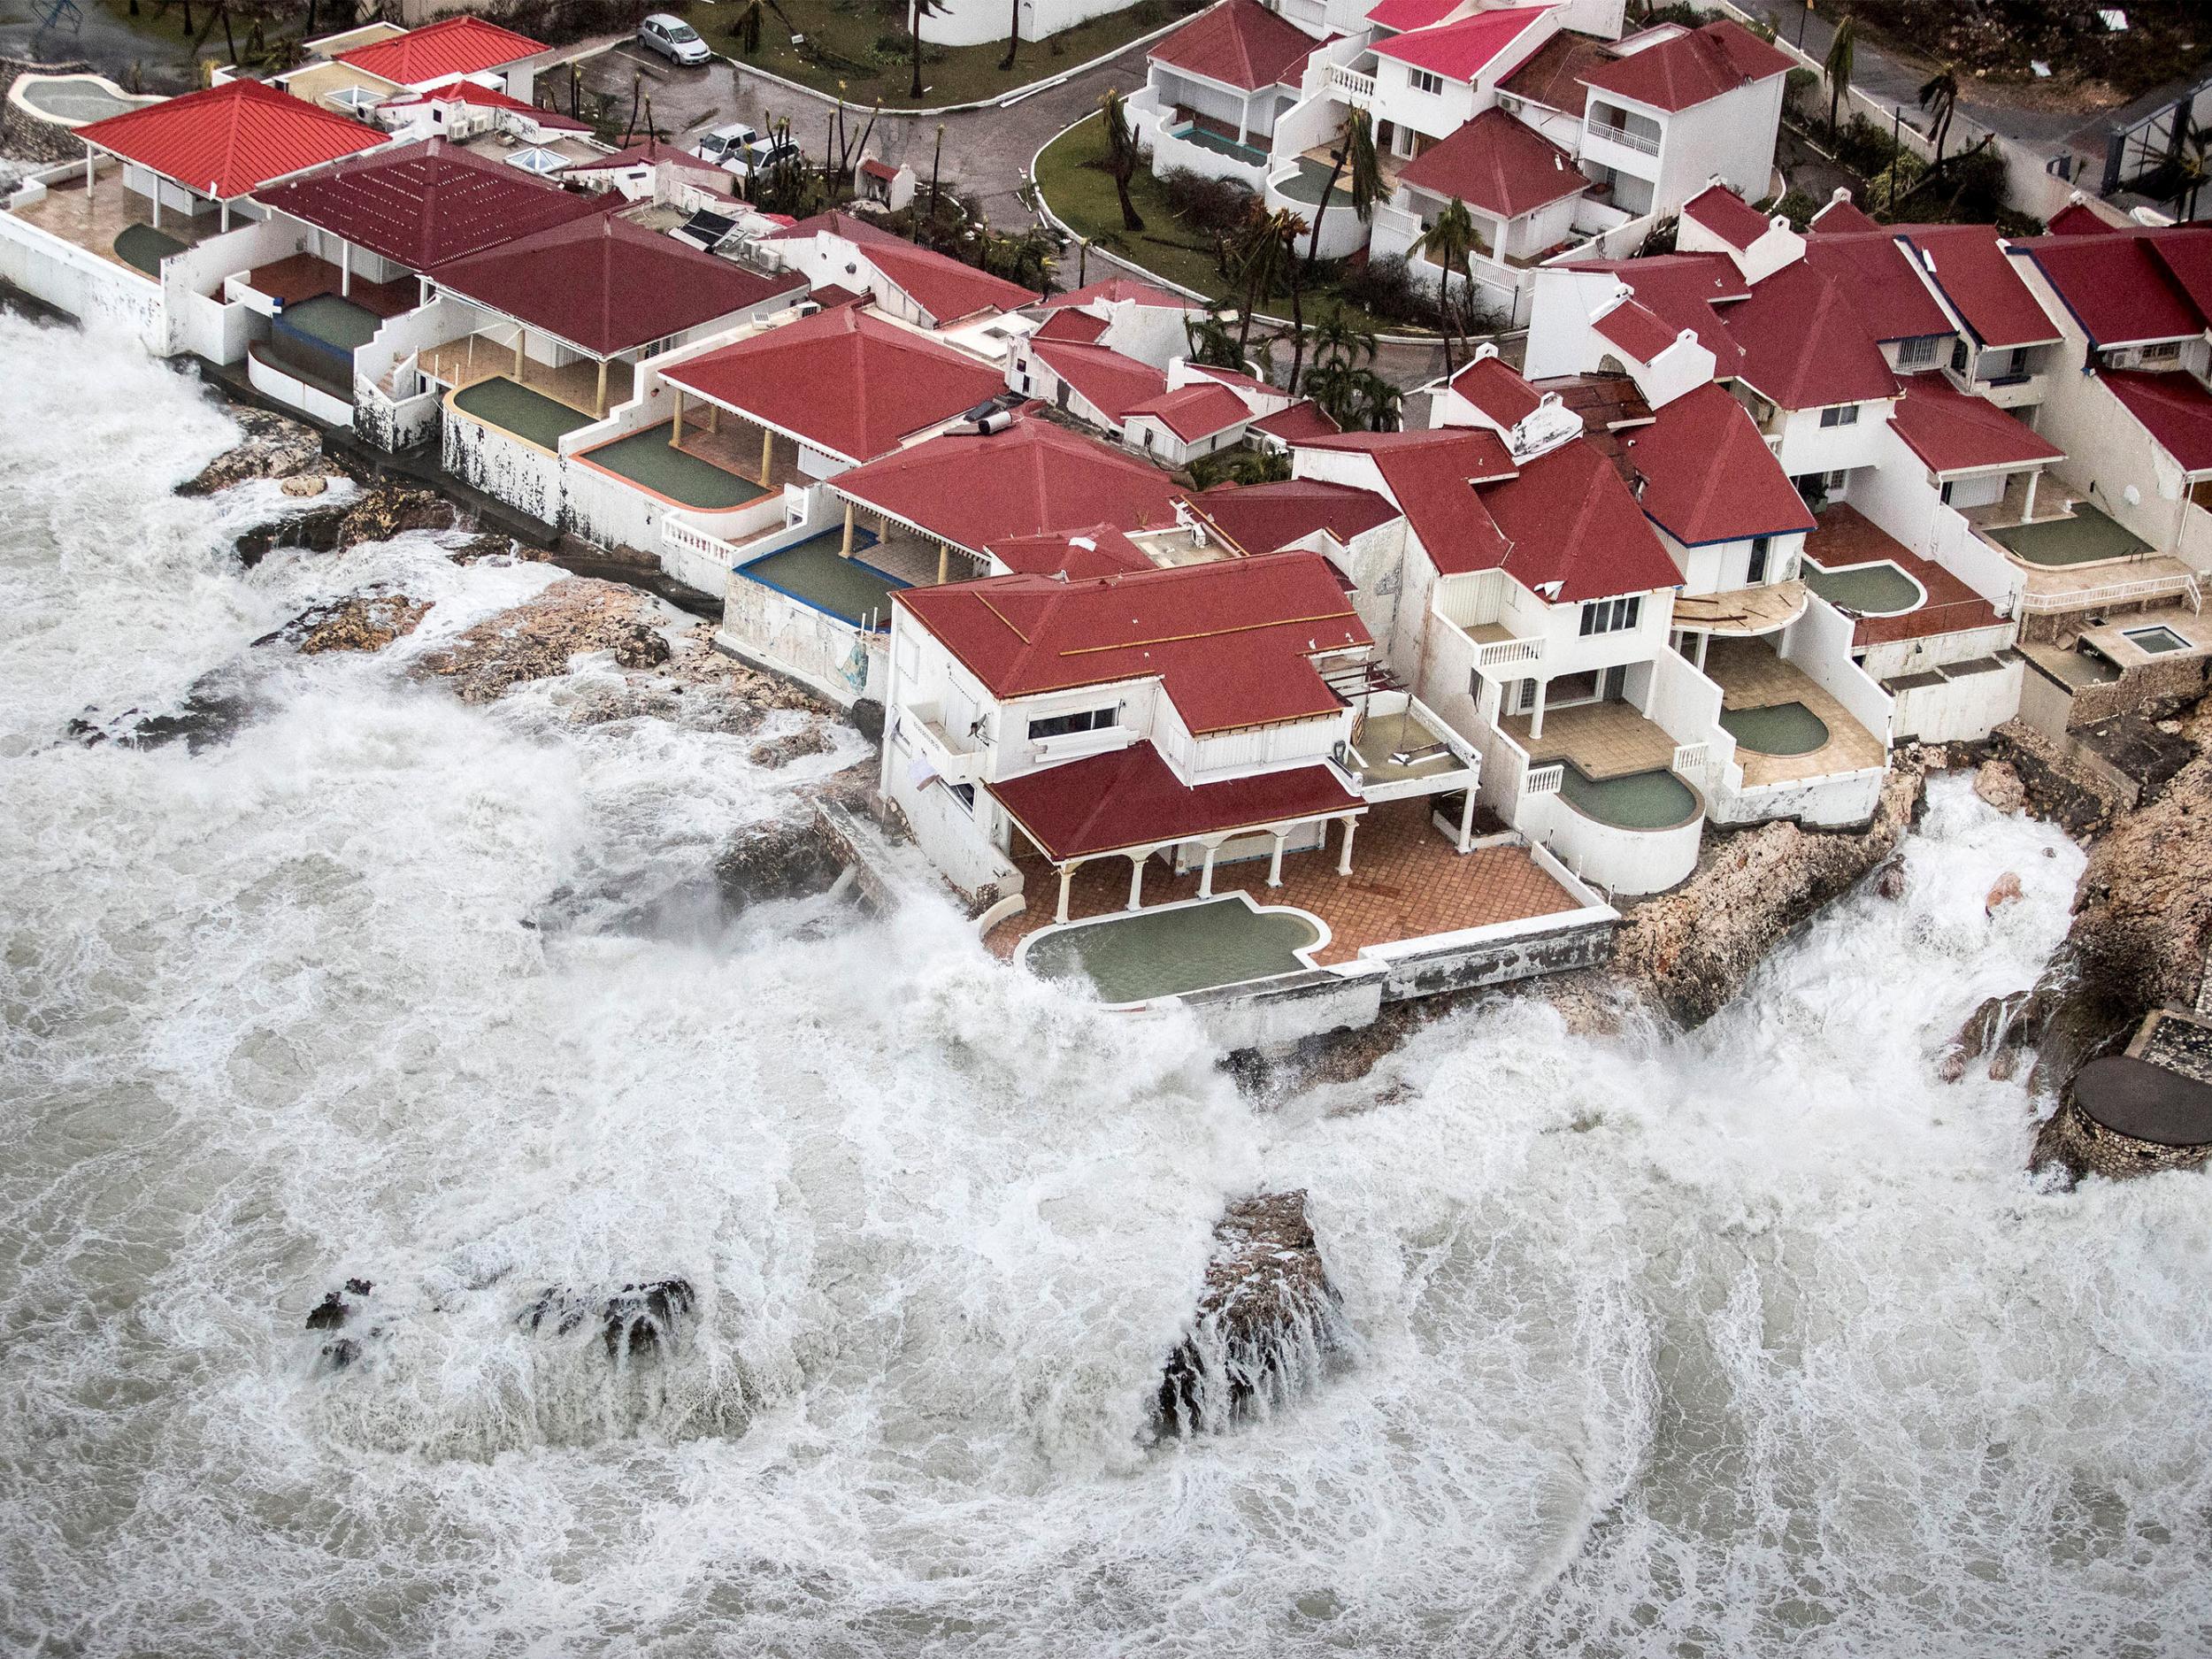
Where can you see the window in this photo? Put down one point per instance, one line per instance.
(538, 161)
(1945, 493)
(2018, 363)
(1958, 357)
(1061, 724)
(1424, 81)
(1612, 616)
(2166, 352)
(1759, 546)
(1840, 415)
(1918, 352)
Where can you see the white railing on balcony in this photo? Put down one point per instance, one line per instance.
(1544, 779)
(2116, 593)
(1690, 759)
(1509, 653)
(1472, 600)
(1356, 89)
(1647, 143)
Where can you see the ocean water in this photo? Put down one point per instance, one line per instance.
(1755, 1341)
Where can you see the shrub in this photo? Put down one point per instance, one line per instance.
(1213, 207)
(1387, 288)
(1798, 208)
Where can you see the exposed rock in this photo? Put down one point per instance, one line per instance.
(1998, 784)
(359, 622)
(536, 639)
(1267, 1327)
(1999, 1027)
(306, 485)
(318, 530)
(1891, 881)
(212, 711)
(337, 1310)
(638, 1319)
(392, 509)
(781, 751)
(2053, 786)
(786, 859)
(490, 544)
(2003, 891)
(867, 714)
(1690, 950)
(272, 447)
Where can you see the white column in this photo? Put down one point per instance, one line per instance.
(1244, 117)
(1275, 858)
(225, 225)
(1536, 720)
(88, 178)
(1067, 875)
(156, 204)
(345, 270)
(2029, 513)
(1136, 881)
(1467, 820)
(1703, 640)
(1344, 862)
(1206, 871)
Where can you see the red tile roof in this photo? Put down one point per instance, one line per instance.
(846, 382)
(1841, 218)
(1635, 330)
(1974, 274)
(2116, 286)
(1491, 385)
(946, 291)
(1120, 287)
(1953, 432)
(1692, 68)
(1130, 798)
(1552, 76)
(1568, 519)
(232, 139)
(1804, 343)
(1104, 379)
(1709, 476)
(976, 491)
(1882, 280)
(1231, 642)
(1196, 411)
(427, 202)
(1462, 50)
(1404, 15)
(438, 51)
(1687, 290)
(1079, 326)
(1304, 418)
(2175, 410)
(1727, 215)
(1239, 42)
(1095, 550)
(1431, 477)
(2186, 254)
(605, 285)
(1497, 164)
(1263, 517)
(652, 153)
(2075, 218)
(488, 98)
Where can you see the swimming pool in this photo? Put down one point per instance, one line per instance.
(1780, 728)
(815, 573)
(1883, 588)
(2085, 538)
(1176, 949)
(500, 402)
(2155, 640)
(1650, 800)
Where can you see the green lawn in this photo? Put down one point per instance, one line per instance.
(855, 43)
(1082, 198)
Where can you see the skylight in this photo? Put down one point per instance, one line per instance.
(538, 161)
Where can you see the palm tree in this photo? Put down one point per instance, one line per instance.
(1255, 259)
(1447, 244)
(921, 9)
(2195, 170)
(1013, 34)
(1121, 153)
(1288, 227)
(1340, 342)
(1379, 398)
(1354, 150)
(1210, 342)
(1836, 68)
(745, 31)
(1940, 96)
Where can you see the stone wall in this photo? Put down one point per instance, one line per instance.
(2147, 686)
(22, 134)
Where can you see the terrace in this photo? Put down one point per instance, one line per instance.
(1892, 591)
(1409, 881)
(1787, 728)
(854, 587)
(115, 223)
(698, 474)
(1616, 766)
(459, 363)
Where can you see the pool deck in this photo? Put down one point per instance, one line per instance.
(1606, 740)
(1407, 881)
(1750, 676)
(93, 221)
(814, 572)
(301, 277)
(1845, 537)
(498, 402)
(462, 363)
(683, 475)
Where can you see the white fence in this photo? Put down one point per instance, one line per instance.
(843, 661)
(96, 291)
(1818, 643)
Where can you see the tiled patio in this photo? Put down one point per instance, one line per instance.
(1407, 880)
(301, 277)
(733, 443)
(1750, 676)
(1606, 740)
(1845, 537)
(460, 363)
(93, 221)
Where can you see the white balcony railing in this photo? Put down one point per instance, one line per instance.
(2116, 593)
(1544, 779)
(1690, 759)
(1356, 89)
(1509, 653)
(1647, 143)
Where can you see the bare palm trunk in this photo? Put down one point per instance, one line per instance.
(1013, 34)
(1444, 318)
(1313, 242)
(1297, 327)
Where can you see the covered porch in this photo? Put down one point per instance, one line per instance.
(590, 386)
(92, 209)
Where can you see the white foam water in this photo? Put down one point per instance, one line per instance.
(1752, 1341)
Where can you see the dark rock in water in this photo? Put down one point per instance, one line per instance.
(328, 1314)
(212, 711)
(358, 1287)
(272, 447)
(867, 714)
(336, 1311)
(491, 545)
(1999, 1026)
(318, 530)
(1890, 881)
(786, 859)
(535, 639)
(1268, 1324)
(342, 1353)
(638, 1319)
(392, 510)
(781, 751)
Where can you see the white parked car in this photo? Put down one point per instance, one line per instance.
(674, 39)
(726, 145)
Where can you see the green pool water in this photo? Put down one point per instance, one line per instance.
(646, 458)
(812, 572)
(144, 247)
(2155, 640)
(334, 321)
(1221, 146)
(1169, 952)
(1639, 800)
(2084, 539)
(1780, 728)
(1882, 589)
(500, 402)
